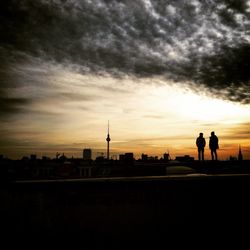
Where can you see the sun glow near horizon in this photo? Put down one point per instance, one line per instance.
(201, 107)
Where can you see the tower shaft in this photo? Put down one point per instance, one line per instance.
(108, 150)
(108, 140)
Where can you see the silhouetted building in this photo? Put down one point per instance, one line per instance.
(87, 154)
(44, 171)
(62, 157)
(240, 156)
(25, 158)
(33, 157)
(166, 157)
(129, 157)
(85, 169)
(65, 169)
(153, 158)
(121, 157)
(232, 158)
(99, 159)
(184, 158)
(45, 158)
(144, 157)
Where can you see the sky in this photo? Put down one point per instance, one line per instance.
(160, 71)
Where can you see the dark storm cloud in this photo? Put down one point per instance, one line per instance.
(204, 42)
(11, 105)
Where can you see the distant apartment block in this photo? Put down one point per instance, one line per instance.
(87, 154)
(144, 157)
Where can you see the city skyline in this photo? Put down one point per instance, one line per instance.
(161, 73)
(86, 153)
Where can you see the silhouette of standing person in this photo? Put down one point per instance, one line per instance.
(213, 145)
(200, 143)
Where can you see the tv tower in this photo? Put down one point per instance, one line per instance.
(108, 140)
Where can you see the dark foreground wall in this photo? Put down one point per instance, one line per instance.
(126, 209)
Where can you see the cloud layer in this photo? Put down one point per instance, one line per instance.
(205, 42)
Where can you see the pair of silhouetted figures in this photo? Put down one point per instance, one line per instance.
(213, 146)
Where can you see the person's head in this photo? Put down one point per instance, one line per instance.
(201, 134)
(212, 133)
